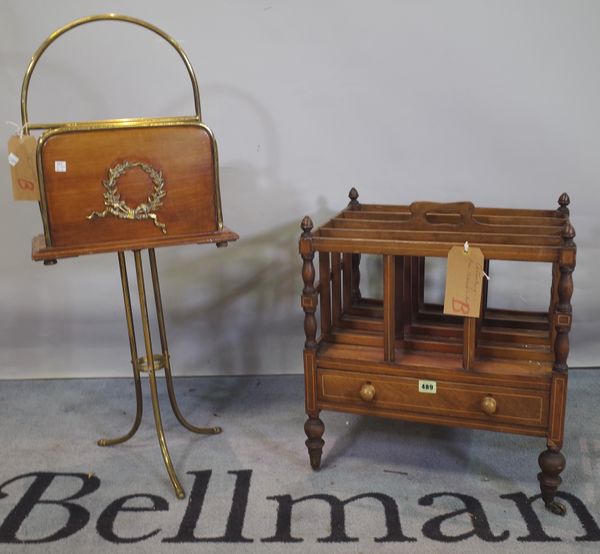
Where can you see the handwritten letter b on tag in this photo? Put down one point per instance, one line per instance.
(464, 276)
(23, 170)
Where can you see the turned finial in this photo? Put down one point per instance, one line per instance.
(568, 234)
(564, 202)
(306, 226)
(353, 195)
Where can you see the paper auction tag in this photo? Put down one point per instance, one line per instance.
(23, 168)
(464, 277)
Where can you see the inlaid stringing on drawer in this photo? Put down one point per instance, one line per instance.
(451, 398)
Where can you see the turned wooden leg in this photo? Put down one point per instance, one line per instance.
(134, 358)
(552, 462)
(314, 429)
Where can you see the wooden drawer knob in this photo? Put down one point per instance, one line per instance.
(488, 405)
(367, 392)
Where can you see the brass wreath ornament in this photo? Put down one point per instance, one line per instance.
(119, 208)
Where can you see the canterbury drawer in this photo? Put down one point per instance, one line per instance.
(372, 394)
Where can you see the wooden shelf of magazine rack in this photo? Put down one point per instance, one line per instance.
(505, 371)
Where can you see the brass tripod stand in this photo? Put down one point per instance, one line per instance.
(151, 363)
(172, 163)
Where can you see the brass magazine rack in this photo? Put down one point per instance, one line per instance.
(129, 185)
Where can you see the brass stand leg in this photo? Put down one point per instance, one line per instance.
(151, 363)
(134, 357)
(152, 377)
(165, 353)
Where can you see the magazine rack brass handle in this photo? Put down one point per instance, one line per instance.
(27, 126)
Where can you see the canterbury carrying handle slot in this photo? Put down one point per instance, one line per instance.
(91, 19)
(425, 212)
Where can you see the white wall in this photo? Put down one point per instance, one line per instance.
(495, 102)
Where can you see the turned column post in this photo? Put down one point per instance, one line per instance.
(552, 461)
(314, 427)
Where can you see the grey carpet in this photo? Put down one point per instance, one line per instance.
(413, 488)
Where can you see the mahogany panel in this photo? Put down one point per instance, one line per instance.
(184, 154)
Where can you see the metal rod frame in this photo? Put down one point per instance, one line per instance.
(151, 363)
